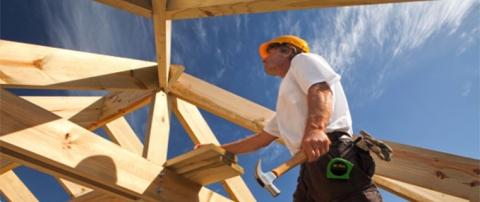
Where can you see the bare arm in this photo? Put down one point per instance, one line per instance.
(315, 141)
(249, 144)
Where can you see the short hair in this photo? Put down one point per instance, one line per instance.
(284, 47)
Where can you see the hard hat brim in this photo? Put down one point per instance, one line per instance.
(263, 50)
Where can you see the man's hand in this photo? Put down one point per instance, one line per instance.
(315, 143)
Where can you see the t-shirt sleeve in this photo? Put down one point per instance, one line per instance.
(309, 69)
(272, 127)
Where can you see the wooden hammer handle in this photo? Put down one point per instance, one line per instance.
(291, 163)
(296, 160)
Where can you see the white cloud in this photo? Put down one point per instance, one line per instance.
(383, 33)
(466, 89)
(469, 38)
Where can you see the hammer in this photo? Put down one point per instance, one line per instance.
(266, 179)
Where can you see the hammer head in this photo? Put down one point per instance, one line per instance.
(266, 179)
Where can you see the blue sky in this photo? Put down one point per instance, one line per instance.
(410, 70)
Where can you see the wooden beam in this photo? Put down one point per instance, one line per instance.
(7, 164)
(185, 9)
(82, 110)
(412, 192)
(13, 188)
(222, 103)
(51, 68)
(73, 189)
(122, 134)
(93, 112)
(162, 30)
(64, 149)
(158, 129)
(199, 131)
(175, 72)
(138, 7)
(206, 165)
(450, 174)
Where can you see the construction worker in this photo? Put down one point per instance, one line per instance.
(312, 111)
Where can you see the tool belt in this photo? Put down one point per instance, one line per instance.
(314, 175)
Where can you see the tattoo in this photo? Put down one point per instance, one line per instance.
(319, 99)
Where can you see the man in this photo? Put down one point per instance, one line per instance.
(312, 111)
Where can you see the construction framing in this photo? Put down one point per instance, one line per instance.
(53, 134)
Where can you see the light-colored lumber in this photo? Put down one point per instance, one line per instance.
(175, 72)
(7, 164)
(206, 165)
(412, 192)
(200, 133)
(55, 68)
(13, 188)
(82, 110)
(119, 103)
(221, 102)
(97, 196)
(158, 129)
(185, 9)
(122, 134)
(162, 32)
(138, 7)
(73, 189)
(450, 174)
(93, 112)
(64, 149)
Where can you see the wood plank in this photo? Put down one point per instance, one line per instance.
(13, 188)
(158, 129)
(221, 102)
(162, 30)
(175, 72)
(66, 150)
(119, 103)
(122, 134)
(73, 189)
(206, 165)
(446, 173)
(93, 112)
(7, 164)
(200, 133)
(139, 7)
(412, 192)
(51, 68)
(97, 196)
(82, 110)
(186, 9)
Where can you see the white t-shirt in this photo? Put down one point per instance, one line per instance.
(289, 122)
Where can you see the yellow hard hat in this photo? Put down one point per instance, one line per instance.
(298, 42)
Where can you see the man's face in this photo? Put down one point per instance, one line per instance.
(276, 63)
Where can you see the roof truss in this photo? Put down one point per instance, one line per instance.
(415, 173)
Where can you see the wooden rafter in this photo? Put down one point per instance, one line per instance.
(200, 133)
(122, 134)
(66, 150)
(13, 188)
(162, 30)
(412, 192)
(185, 9)
(158, 129)
(7, 164)
(51, 68)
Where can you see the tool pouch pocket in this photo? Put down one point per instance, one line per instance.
(361, 159)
